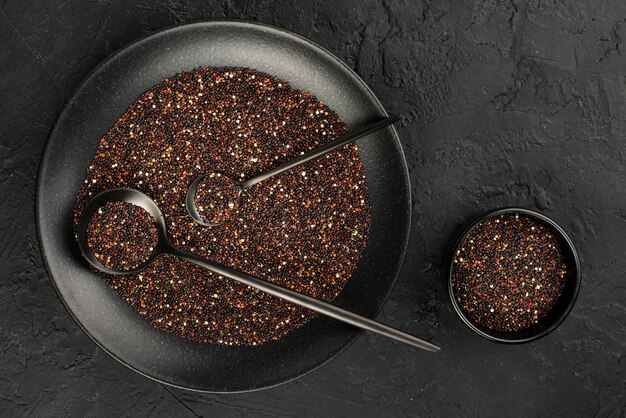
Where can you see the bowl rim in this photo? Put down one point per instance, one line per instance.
(559, 230)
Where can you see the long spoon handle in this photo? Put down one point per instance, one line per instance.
(324, 149)
(309, 302)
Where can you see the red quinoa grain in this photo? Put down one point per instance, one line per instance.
(304, 229)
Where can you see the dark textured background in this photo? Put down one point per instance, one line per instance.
(506, 103)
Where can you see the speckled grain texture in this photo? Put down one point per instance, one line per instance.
(511, 103)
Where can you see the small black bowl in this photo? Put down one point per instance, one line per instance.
(563, 306)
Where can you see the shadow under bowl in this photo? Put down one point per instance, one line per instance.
(563, 305)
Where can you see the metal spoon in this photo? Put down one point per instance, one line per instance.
(239, 187)
(164, 246)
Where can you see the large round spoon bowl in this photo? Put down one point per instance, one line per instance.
(121, 195)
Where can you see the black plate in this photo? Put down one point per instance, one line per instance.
(95, 107)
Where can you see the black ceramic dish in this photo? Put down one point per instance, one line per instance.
(95, 107)
(563, 305)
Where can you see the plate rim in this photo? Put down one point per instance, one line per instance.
(199, 23)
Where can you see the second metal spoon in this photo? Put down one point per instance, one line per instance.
(239, 187)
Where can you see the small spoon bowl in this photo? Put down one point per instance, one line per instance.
(190, 199)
